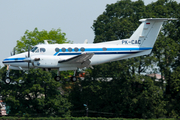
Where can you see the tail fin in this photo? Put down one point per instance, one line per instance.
(145, 35)
(148, 31)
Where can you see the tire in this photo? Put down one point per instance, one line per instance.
(8, 80)
(73, 79)
(57, 78)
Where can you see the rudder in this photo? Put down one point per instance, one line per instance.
(148, 31)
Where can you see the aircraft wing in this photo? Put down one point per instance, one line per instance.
(82, 58)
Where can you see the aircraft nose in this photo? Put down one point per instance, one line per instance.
(5, 61)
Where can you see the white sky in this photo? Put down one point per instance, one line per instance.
(74, 17)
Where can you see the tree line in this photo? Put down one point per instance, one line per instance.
(129, 93)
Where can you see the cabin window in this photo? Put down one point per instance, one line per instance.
(63, 49)
(37, 51)
(76, 49)
(57, 49)
(42, 50)
(104, 49)
(82, 49)
(34, 49)
(69, 49)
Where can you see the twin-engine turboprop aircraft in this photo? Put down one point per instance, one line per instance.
(65, 57)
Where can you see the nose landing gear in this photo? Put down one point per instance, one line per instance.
(7, 80)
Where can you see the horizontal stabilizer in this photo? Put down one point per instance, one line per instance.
(157, 19)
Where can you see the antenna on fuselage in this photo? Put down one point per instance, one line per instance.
(86, 41)
(13, 52)
(46, 42)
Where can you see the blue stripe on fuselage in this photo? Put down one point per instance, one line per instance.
(96, 51)
(13, 60)
(99, 51)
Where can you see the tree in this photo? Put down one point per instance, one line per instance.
(32, 38)
(128, 97)
(34, 94)
(35, 37)
(119, 20)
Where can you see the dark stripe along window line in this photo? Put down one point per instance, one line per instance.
(13, 60)
(111, 52)
(101, 50)
(99, 53)
(69, 49)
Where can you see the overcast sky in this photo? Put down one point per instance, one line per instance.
(74, 17)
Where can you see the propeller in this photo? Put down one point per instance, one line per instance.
(28, 56)
(7, 67)
(13, 52)
(30, 59)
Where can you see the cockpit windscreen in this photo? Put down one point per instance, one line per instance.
(34, 49)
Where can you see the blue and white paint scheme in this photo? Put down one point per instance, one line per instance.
(73, 56)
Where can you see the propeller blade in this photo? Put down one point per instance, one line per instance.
(28, 52)
(7, 67)
(29, 57)
(27, 60)
(14, 51)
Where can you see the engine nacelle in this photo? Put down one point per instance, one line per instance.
(17, 68)
(45, 61)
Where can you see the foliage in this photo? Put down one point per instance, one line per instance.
(120, 97)
(72, 118)
(35, 37)
(119, 21)
(116, 89)
(34, 94)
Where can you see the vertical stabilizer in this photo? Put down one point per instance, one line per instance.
(148, 31)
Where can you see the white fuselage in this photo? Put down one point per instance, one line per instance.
(72, 56)
(52, 53)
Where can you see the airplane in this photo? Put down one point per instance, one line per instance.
(65, 57)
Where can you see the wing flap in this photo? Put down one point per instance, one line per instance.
(78, 59)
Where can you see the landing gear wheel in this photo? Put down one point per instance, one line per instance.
(57, 78)
(73, 79)
(8, 80)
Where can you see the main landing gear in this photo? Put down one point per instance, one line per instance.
(8, 80)
(73, 78)
(58, 77)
